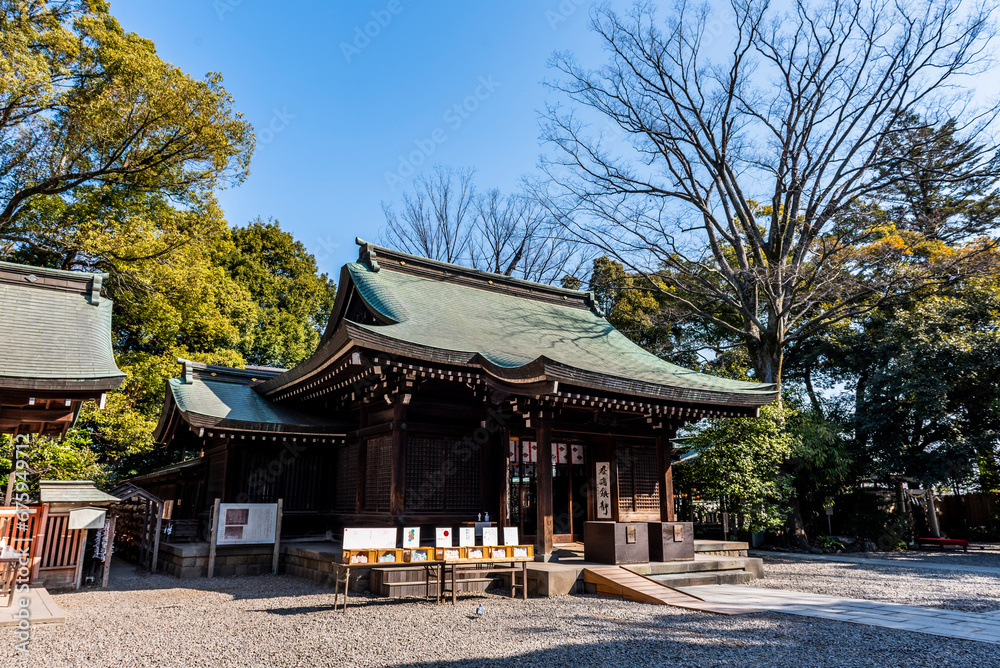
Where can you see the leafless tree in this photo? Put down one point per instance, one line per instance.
(742, 162)
(444, 218)
(513, 236)
(437, 217)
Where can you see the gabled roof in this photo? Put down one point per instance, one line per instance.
(72, 491)
(222, 397)
(517, 331)
(57, 331)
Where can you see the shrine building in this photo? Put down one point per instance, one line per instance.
(439, 393)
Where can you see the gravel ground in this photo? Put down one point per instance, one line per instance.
(285, 621)
(979, 554)
(969, 592)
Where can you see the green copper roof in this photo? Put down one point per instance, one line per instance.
(513, 325)
(224, 398)
(56, 330)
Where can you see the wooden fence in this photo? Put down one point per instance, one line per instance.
(25, 535)
(959, 514)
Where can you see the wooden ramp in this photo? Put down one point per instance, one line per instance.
(623, 583)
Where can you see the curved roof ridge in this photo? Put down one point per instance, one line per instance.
(378, 257)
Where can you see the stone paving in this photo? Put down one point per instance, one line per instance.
(933, 621)
(913, 562)
(41, 607)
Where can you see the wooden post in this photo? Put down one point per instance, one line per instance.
(277, 539)
(79, 557)
(616, 515)
(397, 474)
(145, 536)
(39, 541)
(932, 519)
(156, 538)
(665, 476)
(108, 550)
(213, 537)
(543, 489)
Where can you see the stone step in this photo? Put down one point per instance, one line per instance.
(699, 579)
(697, 566)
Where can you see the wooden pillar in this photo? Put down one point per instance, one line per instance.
(616, 515)
(543, 489)
(110, 538)
(362, 470)
(277, 538)
(213, 538)
(665, 477)
(156, 537)
(78, 575)
(397, 481)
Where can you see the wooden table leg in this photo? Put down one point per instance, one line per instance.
(454, 590)
(524, 579)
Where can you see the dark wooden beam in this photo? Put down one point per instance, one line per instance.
(665, 476)
(37, 415)
(397, 483)
(543, 489)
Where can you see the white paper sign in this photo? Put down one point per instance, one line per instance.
(369, 539)
(490, 536)
(444, 537)
(411, 537)
(510, 536)
(466, 537)
(603, 503)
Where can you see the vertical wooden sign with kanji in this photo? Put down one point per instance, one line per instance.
(603, 501)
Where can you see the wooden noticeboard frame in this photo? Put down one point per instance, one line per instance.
(214, 537)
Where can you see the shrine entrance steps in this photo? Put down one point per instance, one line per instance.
(623, 583)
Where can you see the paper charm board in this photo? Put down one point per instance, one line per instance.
(490, 536)
(369, 539)
(444, 537)
(466, 536)
(510, 536)
(411, 537)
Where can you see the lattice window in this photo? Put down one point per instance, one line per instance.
(378, 473)
(347, 477)
(442, 474)
(264, 476)
(638, 487)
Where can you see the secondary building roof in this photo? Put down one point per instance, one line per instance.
(219, 397)
(72, 491)
(517, 331)
(57, 330)
(55, 350)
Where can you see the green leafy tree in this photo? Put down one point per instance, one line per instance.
(741, 461)
(293, 299)
(84, 103)
(926, 389)
(70, 458)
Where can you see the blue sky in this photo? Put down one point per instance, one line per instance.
(341, 115)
